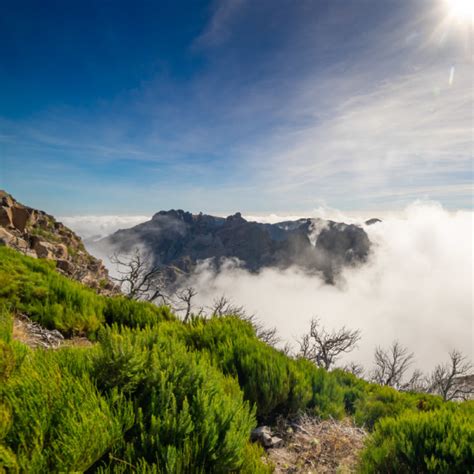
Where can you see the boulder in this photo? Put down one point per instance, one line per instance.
(6, 238)
(6, 218)
(43, 249)
(65, 265)
(20, 216)
(372, 221)
(61, 252)
(5, 199)
(264, 436)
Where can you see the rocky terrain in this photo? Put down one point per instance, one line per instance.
(39, 235)
(180, 239)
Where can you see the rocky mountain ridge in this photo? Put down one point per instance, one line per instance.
(37, 234)
(181, 240)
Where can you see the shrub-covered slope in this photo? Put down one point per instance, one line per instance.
(154, 394)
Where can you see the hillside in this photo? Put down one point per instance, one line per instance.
(180, 239)
(154, 394)
(38, 234)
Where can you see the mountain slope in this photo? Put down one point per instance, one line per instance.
(39, 235)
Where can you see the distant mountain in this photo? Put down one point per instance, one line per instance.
(180, 239)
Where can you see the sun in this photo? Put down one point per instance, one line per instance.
(461, 9)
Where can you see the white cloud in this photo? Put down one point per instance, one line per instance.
(417, 288)
(100, 226)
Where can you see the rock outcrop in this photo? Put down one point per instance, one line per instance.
(181, 240)
(39, 235)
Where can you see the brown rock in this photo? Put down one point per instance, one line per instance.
(43, 249)
(5, 199)
(60, 251)
(65, 265)
(20, 216)
(6, 238)
(6, 218)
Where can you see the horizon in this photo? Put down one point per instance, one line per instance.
(262, 108)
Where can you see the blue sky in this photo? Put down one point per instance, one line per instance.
(110, 107)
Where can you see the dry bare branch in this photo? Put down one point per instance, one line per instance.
(138, 278)
(451, 380)
(323, 347)
(391, 365)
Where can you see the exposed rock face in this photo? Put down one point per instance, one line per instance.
(39, 235)
(372, 221)
(180, 240)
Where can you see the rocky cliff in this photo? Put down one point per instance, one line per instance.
(39, 235)
(180, 239)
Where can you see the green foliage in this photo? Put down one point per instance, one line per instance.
(57, 416)
(121, 310)
(275, 383)
(189, 416)
(440, 441)
(382, 401)
(6, 324)
(33, 287)
(156, 395)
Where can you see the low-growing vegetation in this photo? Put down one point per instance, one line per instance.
(156, 394)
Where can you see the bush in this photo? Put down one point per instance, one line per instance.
(276, 384)
(33, 287)
(134, 314)
(156, 395)
(57, 416)
(440, 441)
(189, 416)
(382, 401)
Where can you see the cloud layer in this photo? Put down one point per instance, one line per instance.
(95, 227)
(417, 288)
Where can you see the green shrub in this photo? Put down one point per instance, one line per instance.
(276, 384)
(6, 324)
(440, 441)
(134, 314)
(33, 287)
(60, 421)
(189, 416)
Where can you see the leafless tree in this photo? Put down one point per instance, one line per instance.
(391, 365)
(354, 368)
(323, 347)
(138, 278)
(185, 296)
(417, 382)
(450, 380)
(222, 306)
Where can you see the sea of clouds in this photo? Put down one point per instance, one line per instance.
(417, 286)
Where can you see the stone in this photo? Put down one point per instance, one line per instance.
(276, 442)
(6, 218)
(263, 435)
(65, 265)
(61, 252)
(20, 216)
(372, 221)
(5, 199)
(43, 249)
(6, 238)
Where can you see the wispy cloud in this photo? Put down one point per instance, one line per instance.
(292, 105)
